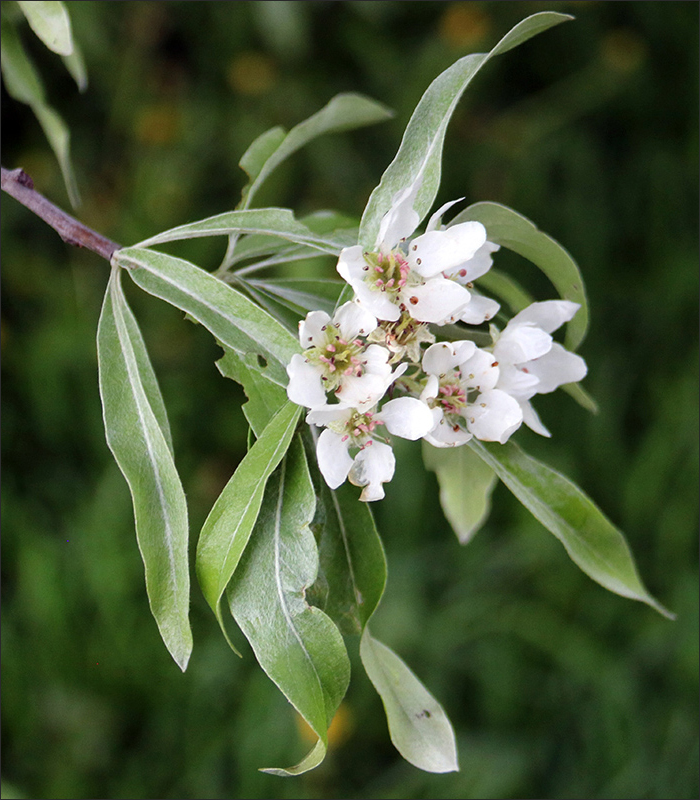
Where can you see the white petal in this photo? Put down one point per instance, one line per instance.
(434, 221)
(407, 417)
(431, 389)
(518, 381)
(376, 302)
(436, 251)
(305, 387)
(521, 343)
(351, 264)
(334, 461)
(400, 222)
(446, 435)
(547, 315)
(479, 264)
(532, 420)
(324, 415)
(479, 309)
(441, 357)
(354, 320)
(311, 329)
(479, 372)
(494, 416)
(434, 301)
(557, 367)
(374, 465)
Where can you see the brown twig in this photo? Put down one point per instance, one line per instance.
(19, 185)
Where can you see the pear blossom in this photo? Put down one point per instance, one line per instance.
(530, 362)
(349, 428)
(460, 390)
(409, 276)
(337, 360)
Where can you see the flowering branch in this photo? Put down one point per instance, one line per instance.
(19, 185)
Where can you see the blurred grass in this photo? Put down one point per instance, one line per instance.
(556, 687)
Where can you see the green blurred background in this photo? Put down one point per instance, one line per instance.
(556, 687)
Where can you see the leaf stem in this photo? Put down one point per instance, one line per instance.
(19, 185)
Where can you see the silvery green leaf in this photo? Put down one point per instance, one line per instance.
(353, 564)
(417, 164)
(466, 484)
(24, 84)
(510, 229)
(278, 222)
(418, 725)
(50, 22)
(304, 294)
(236, 321)
(265, 398)
(507, 289)
(296, 644)
(590, 539)
(138, 436)
(228, 527)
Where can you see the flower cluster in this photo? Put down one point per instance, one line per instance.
(364, 373)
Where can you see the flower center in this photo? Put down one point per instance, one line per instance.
(337, 357)
(386, 273)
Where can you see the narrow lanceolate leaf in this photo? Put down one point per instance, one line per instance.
(418, 725)
(237, 322)
(590, 539)
(305, 294)
(138, 436)
(296, 644)
(343, 112)
(24, 84)
(418, 162)
(265, 398)
(227, 529)
(510, 229)
(269, 221)
(50, 22)
(466, 484)
(353, 564)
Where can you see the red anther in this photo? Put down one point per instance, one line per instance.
(379, 269)
(495, 364)
(356, 432)
(379, 282)
(462, 273)
(345, 438)
(413, 300)
(455, 428)
(389, 283)
(330, 348)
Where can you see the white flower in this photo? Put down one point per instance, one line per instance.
(336, 360)
(460, 391)
(409, 278)
(348, 428)
(530, 361)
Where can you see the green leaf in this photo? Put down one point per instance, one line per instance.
(297, 645)
(138, 436)
(590, 539)
(232, 318)
(353, 564)
(271, 221)
(56, 131)
(466, 484)
(343, 112)
(418, 162)
(505, 287)
(227, 529)
(50, 22)
(418, 725)
(305, 294)
(509, 229)
(75, 64)
(19, 75)
(24, 84)
(265, 398)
